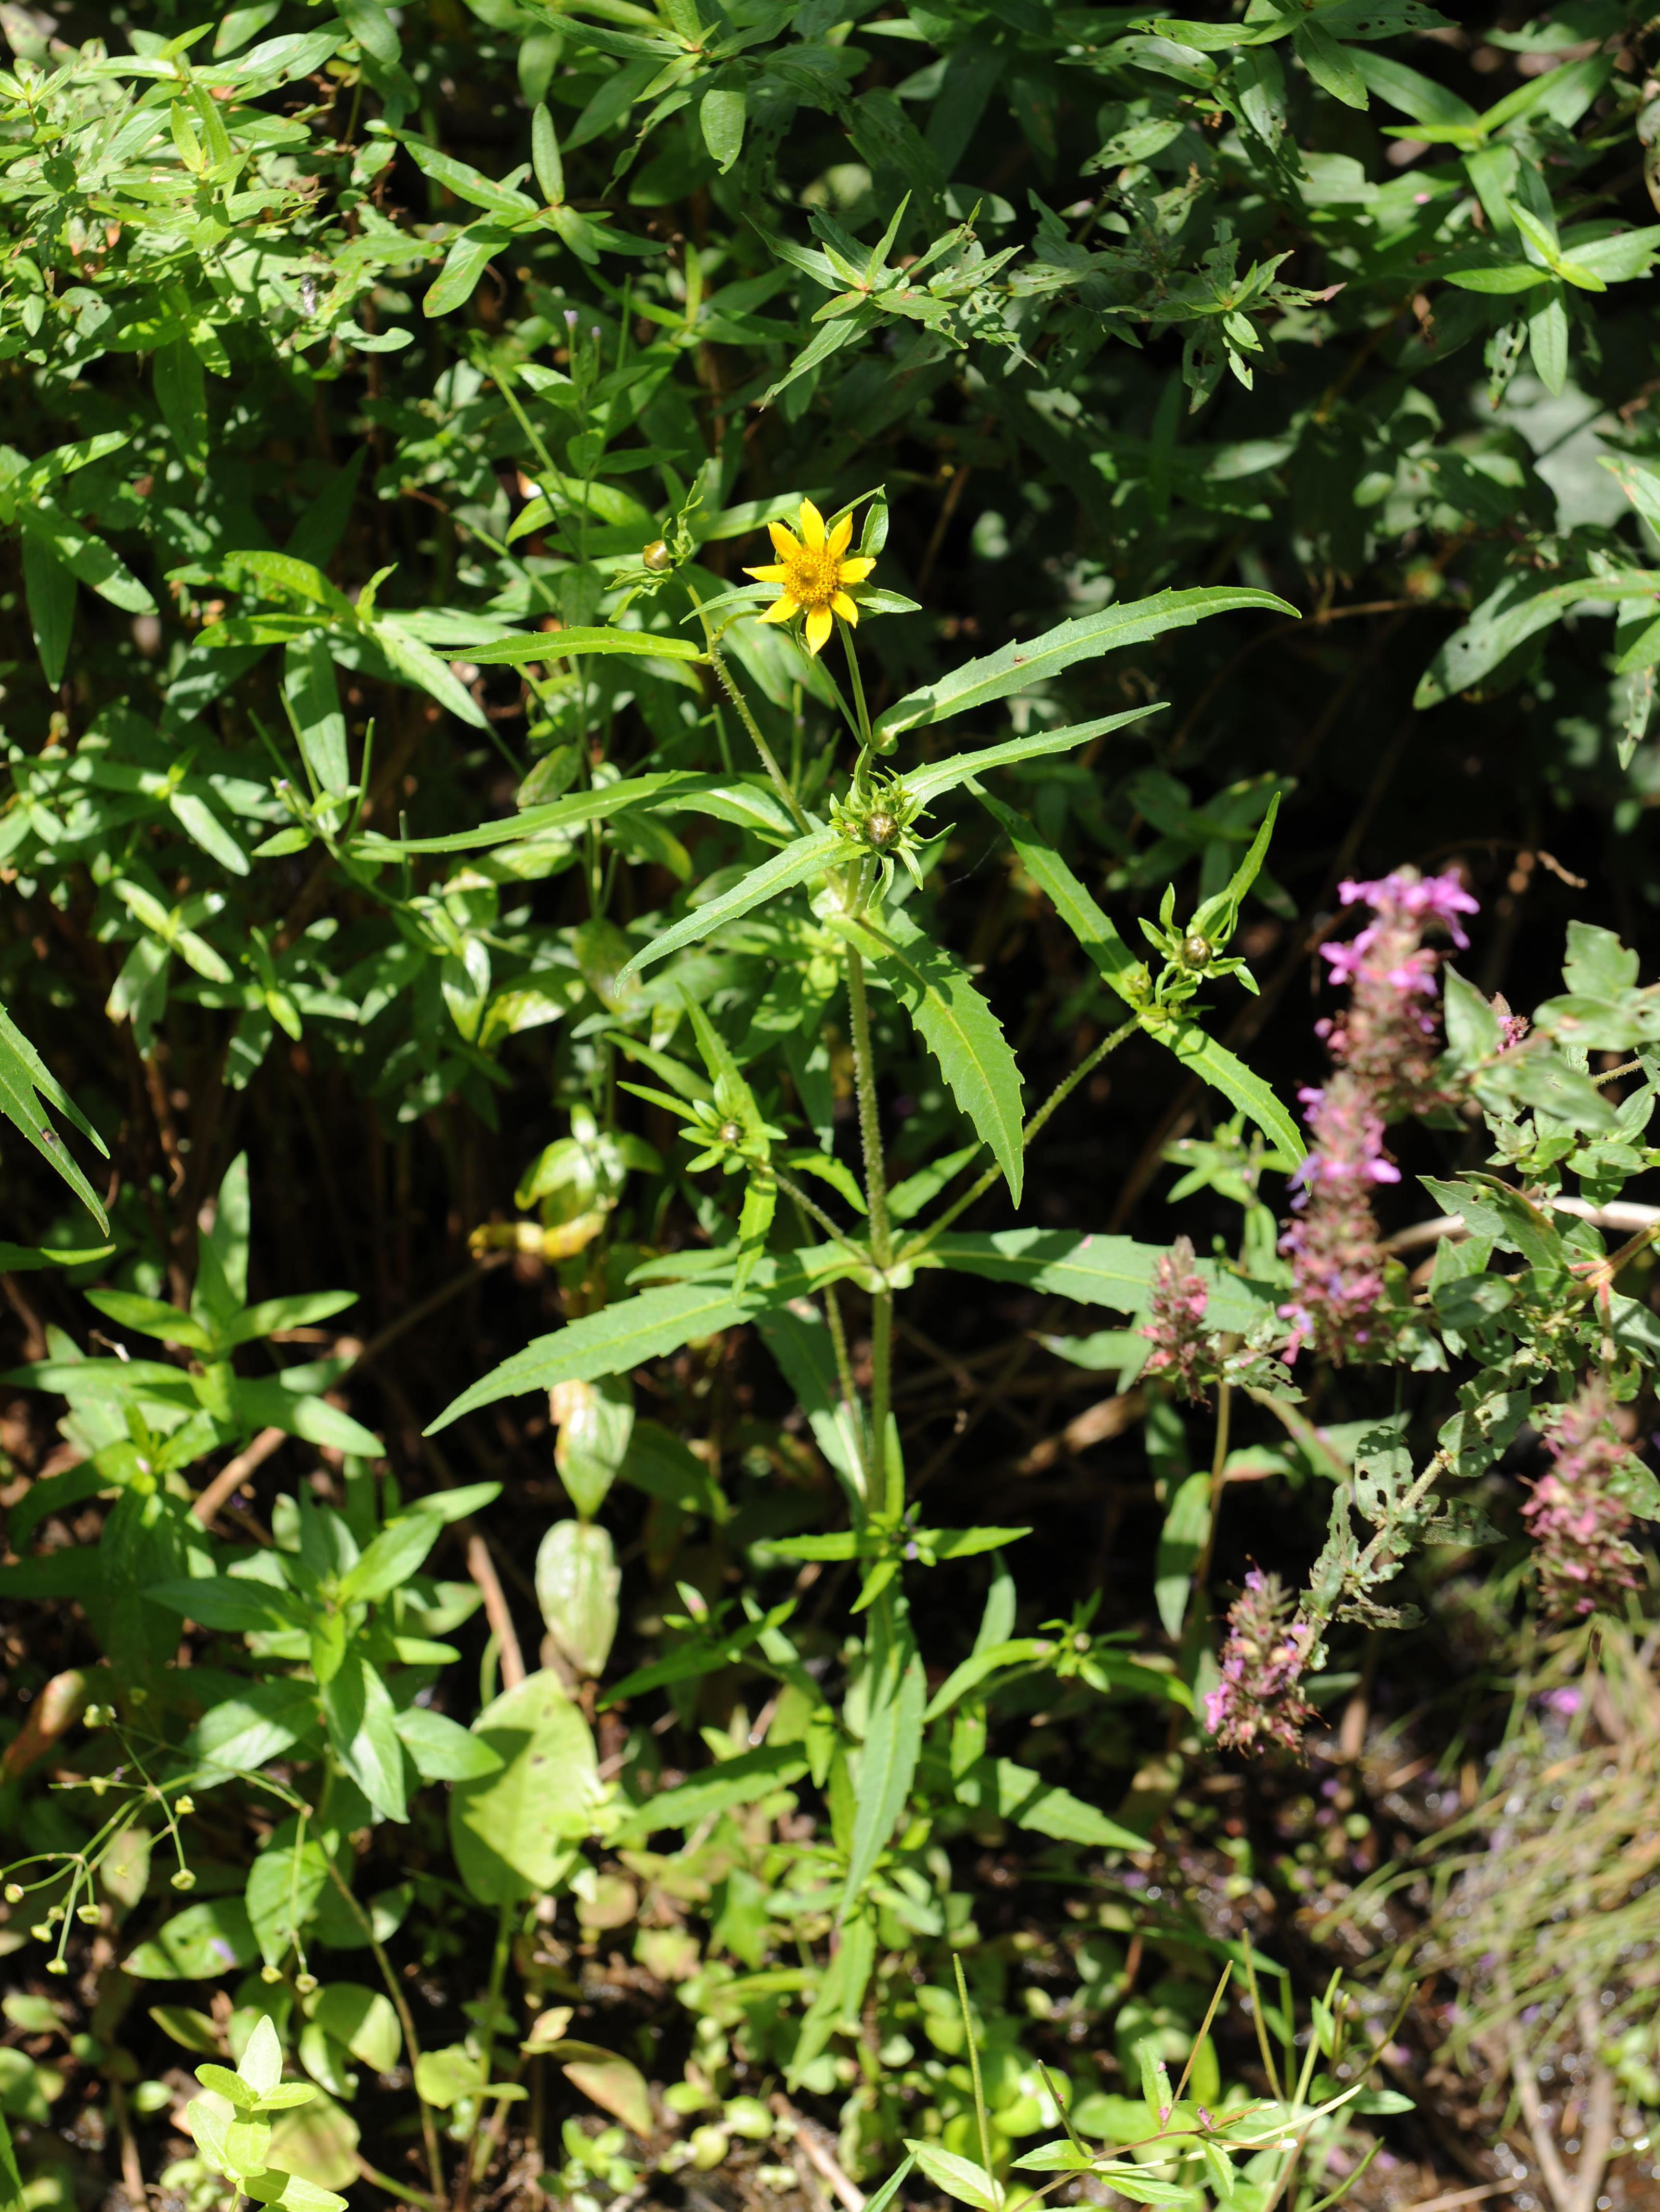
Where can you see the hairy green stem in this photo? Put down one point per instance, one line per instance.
(848, 1388)
(780, 782)
(811, 1206)
(888, 1479)
(864, 1082)
(882, 1236)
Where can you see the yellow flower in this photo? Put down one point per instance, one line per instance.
(812, 574)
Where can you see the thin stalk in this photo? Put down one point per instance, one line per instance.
(1068, 1084)
(864, 1080)
(861, 710)
(811, 1206)
(1204, 2029)
(882, 1238)
(399, 2191)
(1056, 1097)
(1218, 1463)
(886, 1481)
(780, 782)
(480, 2141)
(973, 2064)
(406, 2021)
(504, 385)
(1260, 2023)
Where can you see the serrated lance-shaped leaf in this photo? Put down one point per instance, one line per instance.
(1017, 666)
(562, 644)
(1229, 1073)
(1113, 960)
(570, 813)
(958, 1027)
(1116, 964)
(798, 863)
(926, 784)
(620, 1337)
(1094, 1271)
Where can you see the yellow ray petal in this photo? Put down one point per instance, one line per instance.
(841, 537)
(774, 575)
(842, 605)
(783, 543)
(818, 628)
(855, 571)
(812, 524)
(780, 610)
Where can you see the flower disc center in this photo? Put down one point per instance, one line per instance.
(815, 576)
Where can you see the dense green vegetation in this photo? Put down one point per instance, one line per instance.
(826, 894)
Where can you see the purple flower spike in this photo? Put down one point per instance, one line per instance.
(1576, 1516)
(1383, 1048)
(1175, 1322)
(1259, 1700)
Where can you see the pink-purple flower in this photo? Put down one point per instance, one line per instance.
(1383, 1046)
(1259, 1700)
(1175, 1320)
(1575, 1514)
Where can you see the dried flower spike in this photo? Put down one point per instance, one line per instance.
(1576, 1518)
(1259, 1700)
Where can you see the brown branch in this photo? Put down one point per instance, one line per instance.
(481, 1567)
(1097, 1424)
(232, 1476)
(1452, 2198)
(1621, 1214)
(816, 2145)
